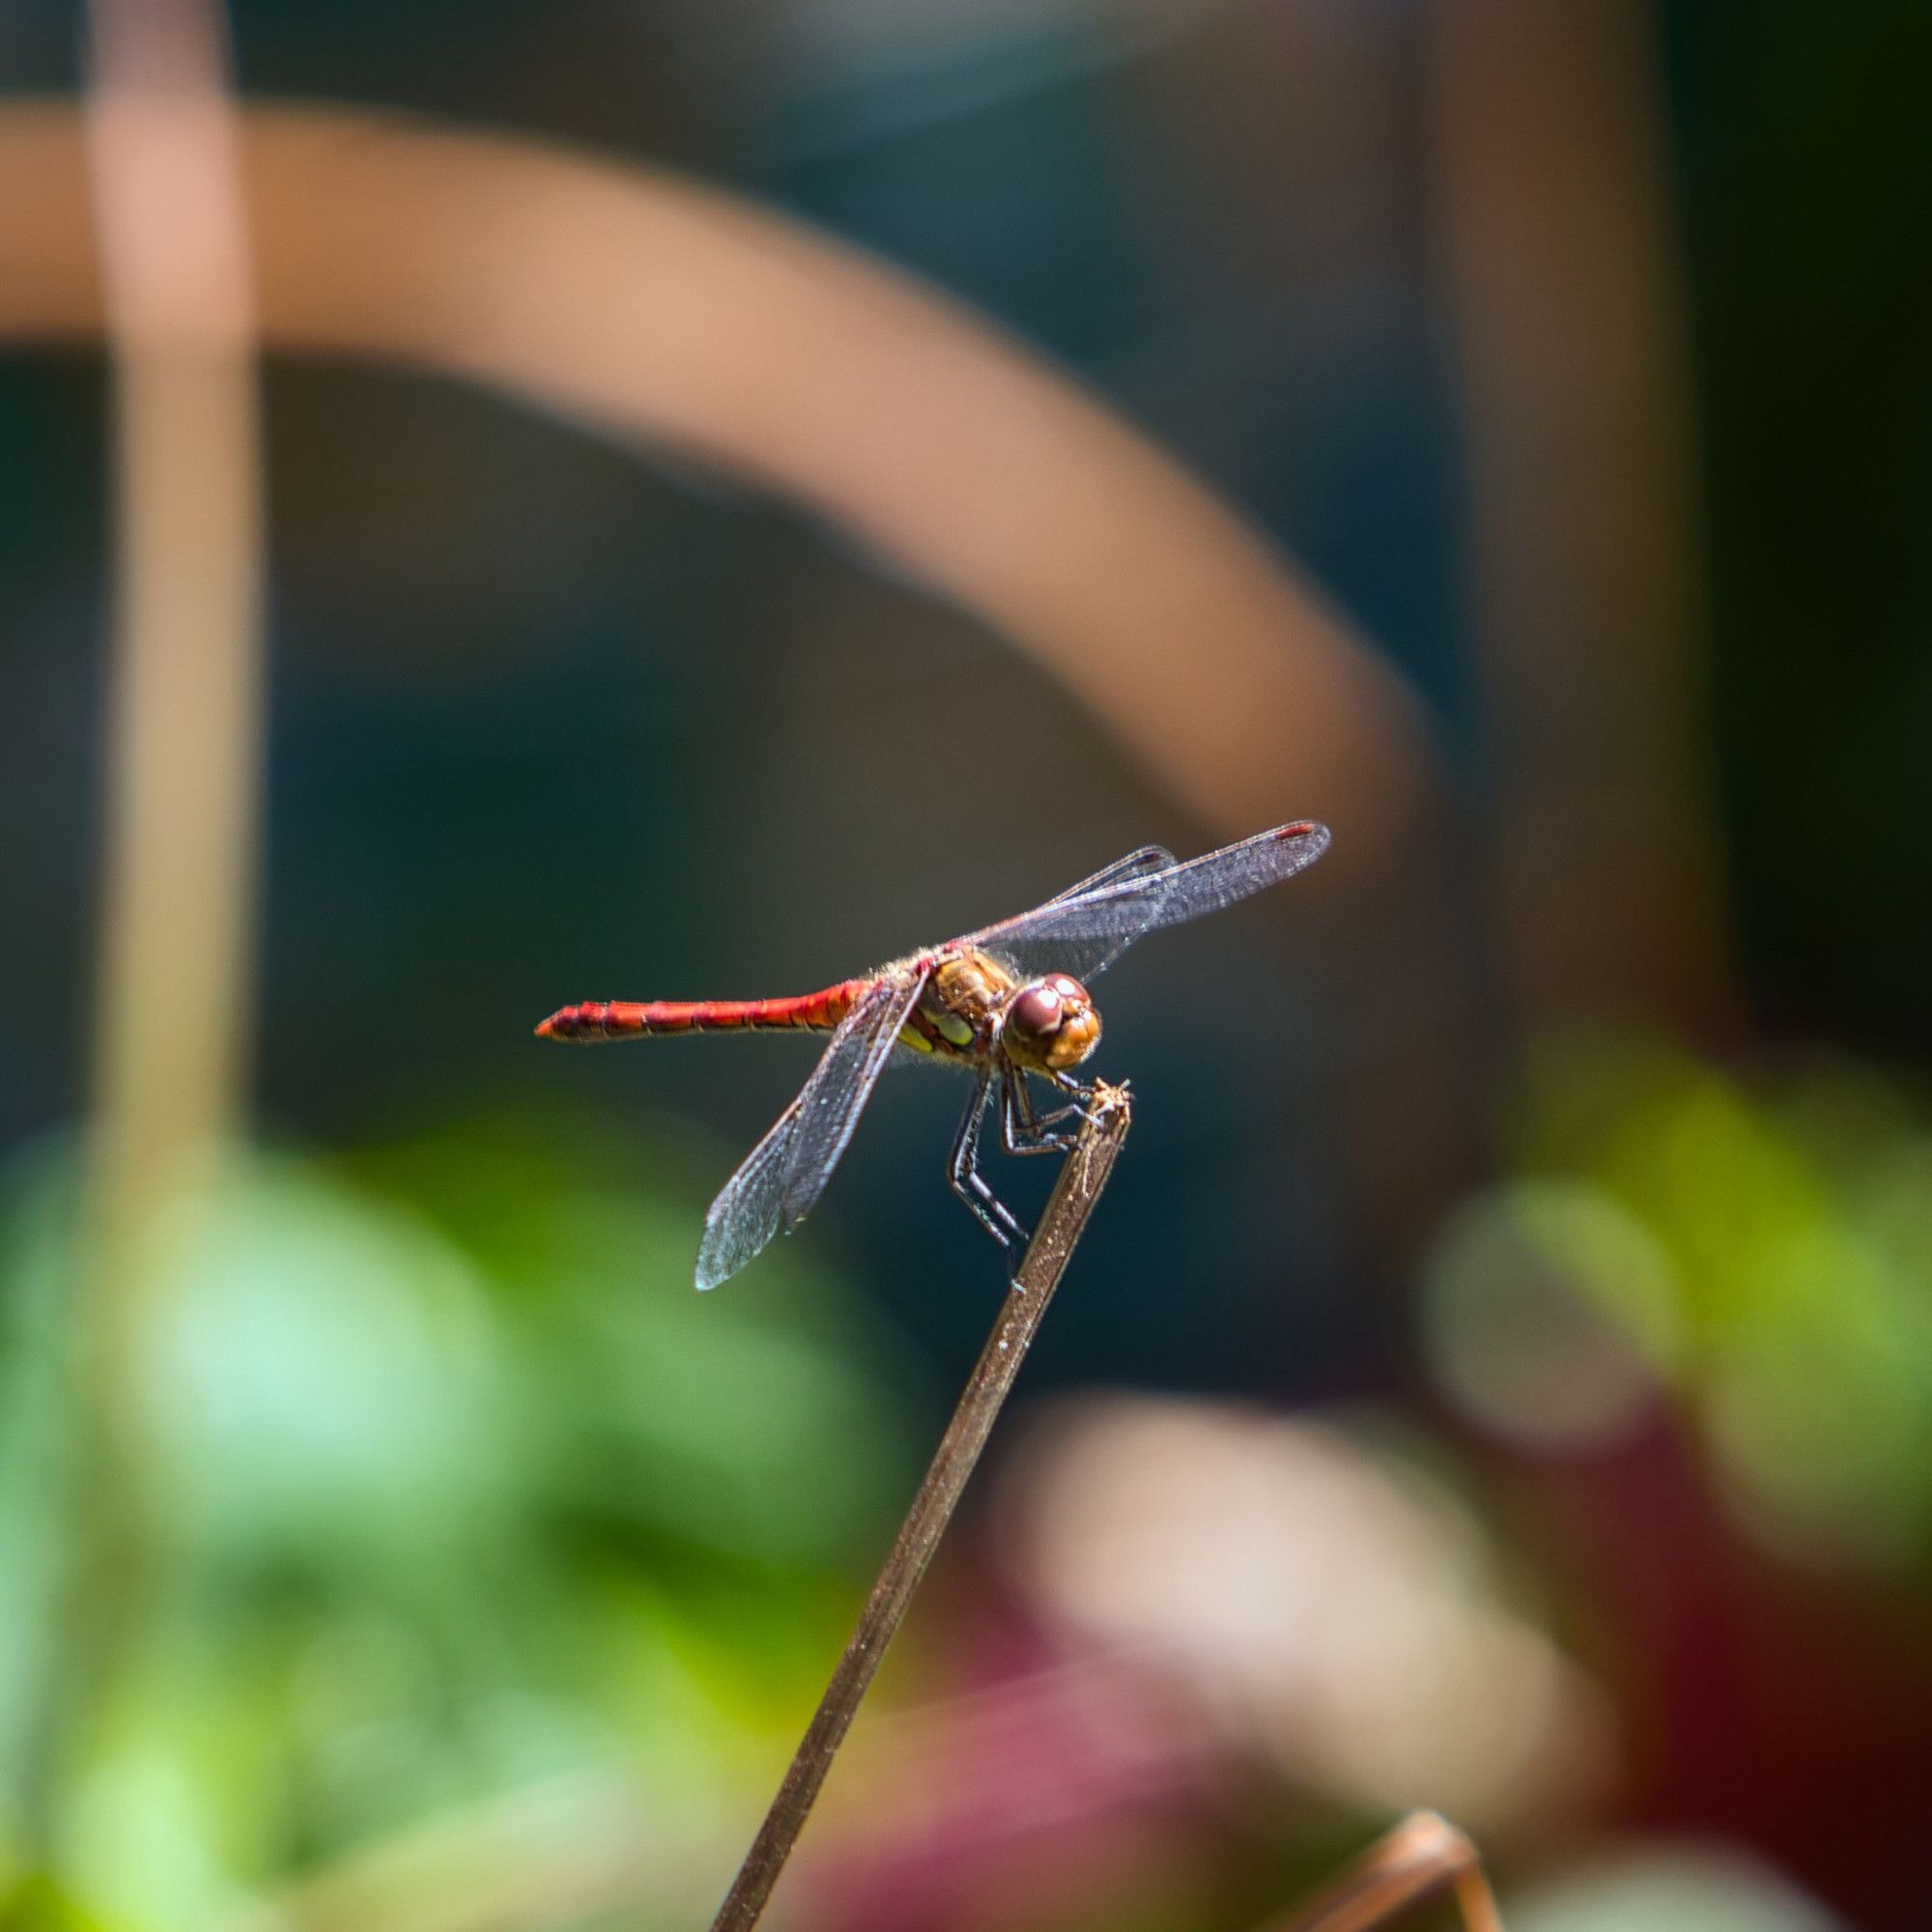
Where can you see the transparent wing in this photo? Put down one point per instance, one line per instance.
(1096, 925)
(832, 1101)
(1149, 859)
(1085, 958)
(783, 1177)
(744, 1217)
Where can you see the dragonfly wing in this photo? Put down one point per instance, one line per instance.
(835, 1097)
(1056, 949)
(1136, 864)
(781, 1180)
(1101, 924)
(744, 1217)
(1218, 879)
(1084, 957)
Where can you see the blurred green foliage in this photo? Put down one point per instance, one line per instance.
(1758, 1244)
(449, 1486)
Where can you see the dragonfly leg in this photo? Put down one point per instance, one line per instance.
(1022, 1128)
(1083, 1090)
(963, 1172)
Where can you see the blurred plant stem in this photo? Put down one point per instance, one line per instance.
(1075, 1195)
(1556, 233)
(1424, 1858)
(181, 769)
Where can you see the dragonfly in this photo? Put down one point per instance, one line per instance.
(1007, 1004)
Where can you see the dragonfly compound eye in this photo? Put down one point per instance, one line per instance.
(1052, 1025)
(1038, 1011)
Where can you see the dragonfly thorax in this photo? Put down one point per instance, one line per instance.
(973, 1005)
(964, 998)
(1051, 1024)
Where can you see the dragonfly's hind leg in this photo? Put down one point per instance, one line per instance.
(963, 1172)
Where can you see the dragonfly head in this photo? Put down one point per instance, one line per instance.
(1051, 1025)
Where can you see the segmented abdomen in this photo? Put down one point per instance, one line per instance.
(594, 1020)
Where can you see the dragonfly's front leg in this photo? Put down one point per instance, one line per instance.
(1023, 1130)
(963, 1172)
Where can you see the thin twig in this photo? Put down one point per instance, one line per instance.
(1075, 1196)
(1424, 1858)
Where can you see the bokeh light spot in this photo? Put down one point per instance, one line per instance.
(1550, 1313)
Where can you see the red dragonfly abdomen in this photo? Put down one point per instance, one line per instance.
(594, 1020)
